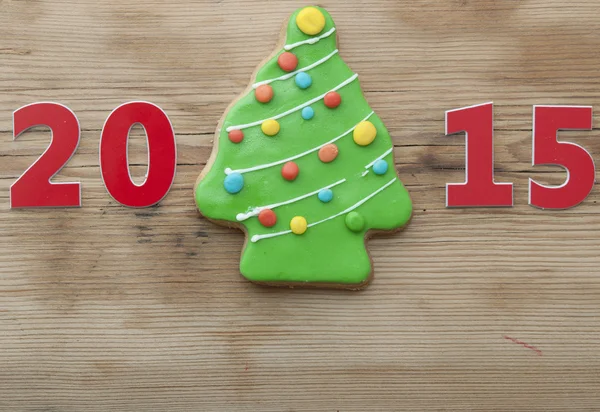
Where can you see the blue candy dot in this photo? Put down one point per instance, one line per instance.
(233, 183)
(303, 80)
(380, 167)
(325, 195)
(308, 113)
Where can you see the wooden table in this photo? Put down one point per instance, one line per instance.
(112, 308)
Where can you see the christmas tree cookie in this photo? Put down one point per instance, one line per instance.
(304, 166)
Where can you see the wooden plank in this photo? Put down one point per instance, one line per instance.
(110, 308)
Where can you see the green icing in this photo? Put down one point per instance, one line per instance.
(328, 252)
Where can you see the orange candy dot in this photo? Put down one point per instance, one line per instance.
(332, 100)
(290, 171)
(287, 61)
(236, 136)
(264, 93)
(328, 153)
(267, 218)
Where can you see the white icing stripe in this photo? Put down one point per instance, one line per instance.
(256, 238)
(314, 149)
(387, 152)
(295, 109)
(256, 210)
(310, 41)
(304, 69)
(366, 172)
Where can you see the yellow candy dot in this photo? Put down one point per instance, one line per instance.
(310, 20)
(270, 127)
(364, 133)
(298, 225)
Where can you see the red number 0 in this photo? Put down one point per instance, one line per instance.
(34, 188)
(581, 173)
(479, 188)
(114, 164)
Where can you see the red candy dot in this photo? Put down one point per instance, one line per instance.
(332, 100)
(287, 61)
(290, 171)
(264, 93)
(267, 218)
(236, 136)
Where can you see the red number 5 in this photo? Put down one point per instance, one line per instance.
(547, 121)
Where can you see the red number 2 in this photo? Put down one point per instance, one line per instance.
(161, 154)
(34, 188)
(479, 188)
(547, 121)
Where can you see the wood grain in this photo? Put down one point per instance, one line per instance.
(110, 308)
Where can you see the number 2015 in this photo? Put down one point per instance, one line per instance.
(35, 189)
(480, 189)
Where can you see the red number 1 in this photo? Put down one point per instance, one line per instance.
(479, 189)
